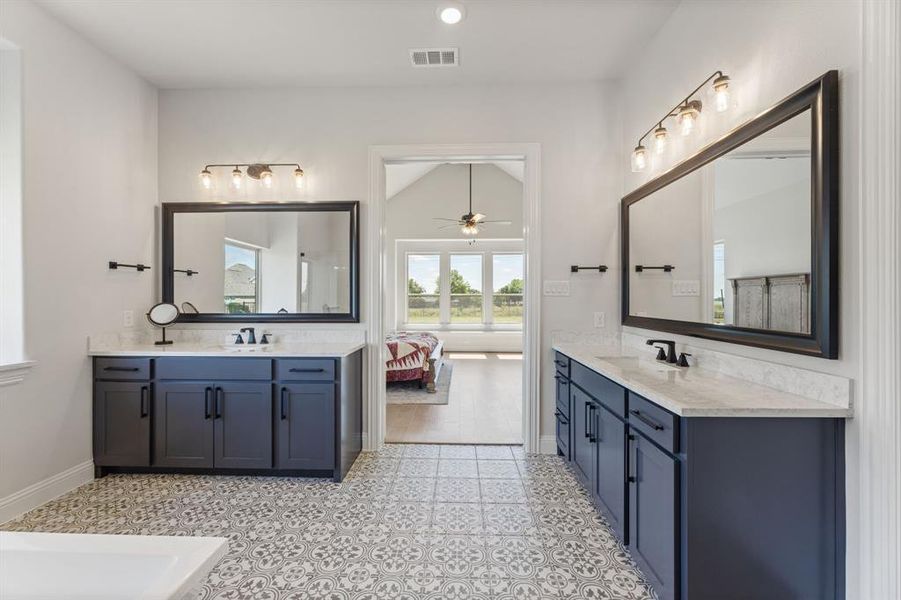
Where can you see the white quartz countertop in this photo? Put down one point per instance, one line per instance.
(694, 392)
(274, 350)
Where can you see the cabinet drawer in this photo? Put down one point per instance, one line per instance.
(305, 369)
(122, 368)
(656, 423)
(206, 369)
(562, 385)
(563, 434)
(611, 395)
(561, 363)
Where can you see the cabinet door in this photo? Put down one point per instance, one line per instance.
(306, 426)
(122, 424)
(653, 514)
(183, 424)
(243, 425)
(610, 490)
(581, 447)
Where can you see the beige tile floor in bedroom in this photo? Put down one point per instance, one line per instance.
(484, 405)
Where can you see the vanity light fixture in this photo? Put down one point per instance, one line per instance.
(660, 138)
(686, 113)
(259, 171)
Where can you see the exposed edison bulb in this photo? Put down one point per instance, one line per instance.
(266, 178)
(237, 175)
(206, 178)
(660, 139)
(688, 116)
(639, 158)
(298, 178)
(721, 93)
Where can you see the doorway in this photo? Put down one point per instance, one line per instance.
(472, 361)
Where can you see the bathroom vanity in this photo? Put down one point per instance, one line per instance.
(291, 410)
(719, 487)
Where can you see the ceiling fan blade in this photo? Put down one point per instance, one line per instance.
(448, 226)
(443, 219)
(478, 217)
(497, 222)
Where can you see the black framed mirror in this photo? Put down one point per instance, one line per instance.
(739, 242)
(262, 262)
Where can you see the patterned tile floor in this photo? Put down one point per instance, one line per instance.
(409, 522)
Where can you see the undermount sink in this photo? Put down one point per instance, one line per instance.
(644, 364)
(248, 348)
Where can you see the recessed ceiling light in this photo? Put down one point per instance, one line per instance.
(451, 13)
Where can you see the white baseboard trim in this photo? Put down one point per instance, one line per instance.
(44, 491)
(547, 444)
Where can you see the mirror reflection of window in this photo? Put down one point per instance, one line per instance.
(242, 284)
(719, 283)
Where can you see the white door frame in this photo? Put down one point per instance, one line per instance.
(374, 245)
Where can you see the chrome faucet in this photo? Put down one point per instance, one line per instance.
(669, 356)
(251, 335)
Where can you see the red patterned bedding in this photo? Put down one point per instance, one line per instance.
(409, 352)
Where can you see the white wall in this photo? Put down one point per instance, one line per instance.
(770, 50)
(90, 148)
(329, 130)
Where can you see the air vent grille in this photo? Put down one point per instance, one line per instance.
(434, 57)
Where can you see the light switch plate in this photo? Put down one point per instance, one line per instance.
(556, 288)
(686, 287)
(128, 318)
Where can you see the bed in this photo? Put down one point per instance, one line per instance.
(414, 356)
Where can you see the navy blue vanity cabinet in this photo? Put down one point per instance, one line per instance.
(583, 451)
(610, 488)
(562, 412)
(654, 514)
(305, 426)
(183, 424)
(122, 423)
(243, 425)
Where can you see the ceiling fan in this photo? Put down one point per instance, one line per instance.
(470, 222)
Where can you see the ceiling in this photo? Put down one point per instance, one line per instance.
(401, 175)
(268, 43)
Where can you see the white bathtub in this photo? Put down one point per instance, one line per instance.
(104, 567)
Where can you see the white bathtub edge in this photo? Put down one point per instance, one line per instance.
(36, 494)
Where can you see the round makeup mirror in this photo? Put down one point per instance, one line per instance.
(162, 315)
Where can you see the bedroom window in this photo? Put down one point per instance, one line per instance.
(508, 287)
(423, 289)
(465, 281)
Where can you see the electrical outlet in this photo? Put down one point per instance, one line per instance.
(128, 318)
(556, 288)
(600, 320)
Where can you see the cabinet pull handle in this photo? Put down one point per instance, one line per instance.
(585, 415)
(125, 369)
(206, 402)
(144, 409)
(560, 363)
(594, 437)
(284, 404)
(218, 402)
(306, 370)
(561, 417)
(631, 479)
(649, 422)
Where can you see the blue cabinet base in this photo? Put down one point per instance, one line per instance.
(228, 416)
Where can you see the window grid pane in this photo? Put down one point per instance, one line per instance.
(423, 292)
(241, 282)
(507, 302)
(466, 288)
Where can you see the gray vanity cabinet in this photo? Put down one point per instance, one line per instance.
(183, 424)
(305, 426)
(654, 514)
(242, 420)
(122, 423)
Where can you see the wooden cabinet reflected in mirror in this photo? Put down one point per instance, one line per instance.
(739, 242)
(263, 262)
